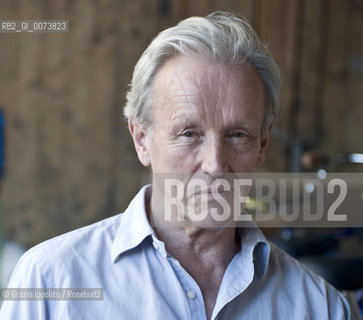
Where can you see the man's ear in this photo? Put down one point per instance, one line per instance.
(264, 142)
(139, 136)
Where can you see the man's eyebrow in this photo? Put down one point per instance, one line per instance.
(244, 125)
(189, 122)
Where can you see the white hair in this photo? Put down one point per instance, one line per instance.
(221, 37)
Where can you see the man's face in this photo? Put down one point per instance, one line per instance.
(206, 118)
(206, 125)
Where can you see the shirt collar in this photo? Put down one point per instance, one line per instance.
(254, 242)
(134, 226)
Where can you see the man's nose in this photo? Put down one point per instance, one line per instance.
(214, 157)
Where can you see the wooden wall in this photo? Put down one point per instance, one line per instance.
(70, 160)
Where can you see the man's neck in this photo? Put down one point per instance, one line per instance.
(205, 254)
(203, 248)
(185, 240)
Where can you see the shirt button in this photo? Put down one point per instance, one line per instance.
(156, 246)
(191, 294)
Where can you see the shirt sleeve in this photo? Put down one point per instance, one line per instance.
(30, 272)
(338, 306)
(325, 298)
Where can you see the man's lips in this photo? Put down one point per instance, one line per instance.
(211, 191)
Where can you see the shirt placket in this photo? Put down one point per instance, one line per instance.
(192, 291)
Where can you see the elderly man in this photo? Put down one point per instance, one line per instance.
(201, 104)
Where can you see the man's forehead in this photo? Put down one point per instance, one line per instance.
(185, 77)
(184, 85)
(180, 76)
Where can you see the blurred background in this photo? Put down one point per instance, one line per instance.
(69, 157)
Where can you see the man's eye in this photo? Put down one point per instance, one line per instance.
(189, 134)
(238, 134)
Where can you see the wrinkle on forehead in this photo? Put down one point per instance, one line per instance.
(170, 88)
(201, 94)
(186, 83)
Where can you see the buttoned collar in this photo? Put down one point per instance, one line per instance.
(135, 227)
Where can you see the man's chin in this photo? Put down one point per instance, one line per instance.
(211, 219)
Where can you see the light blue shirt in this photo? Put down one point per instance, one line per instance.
(140, 280)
